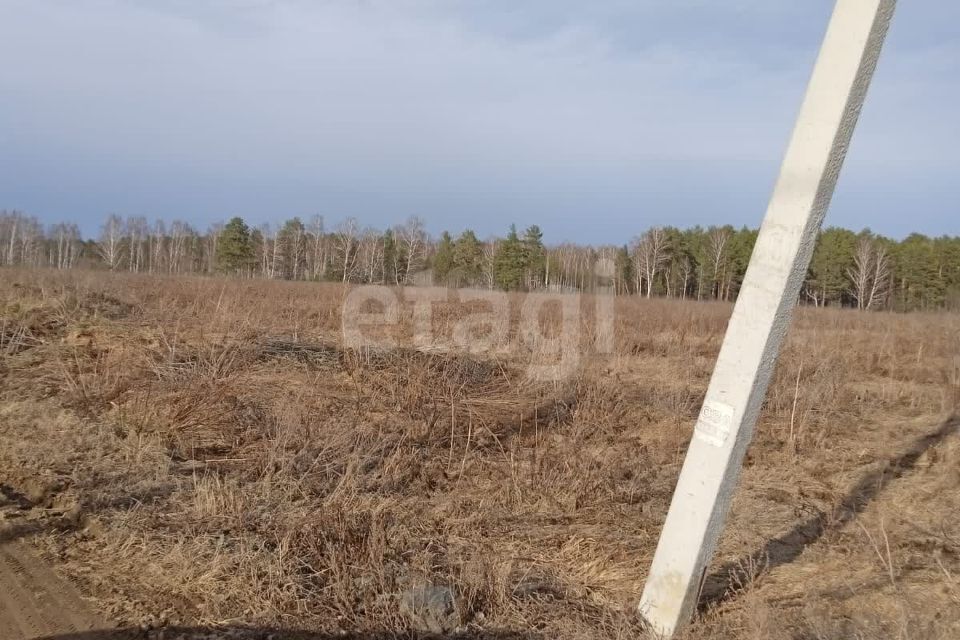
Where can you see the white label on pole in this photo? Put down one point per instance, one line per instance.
(715, 423)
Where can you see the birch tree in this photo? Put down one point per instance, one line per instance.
(110, 246)
(651, 253)
(870, 274)
(413, 241)
(346, 241)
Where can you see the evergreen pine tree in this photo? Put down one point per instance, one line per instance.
(625, 270)
(443, 260)
(235, 248)
(468, 258)
(918, 286)
(389, 258)
(827, 279)
(534, 255)
(509, 263)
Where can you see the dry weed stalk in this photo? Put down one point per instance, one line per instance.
(237, 461)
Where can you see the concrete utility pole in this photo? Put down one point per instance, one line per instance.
(760, 318)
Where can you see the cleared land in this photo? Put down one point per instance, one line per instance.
(208, 452)
(34, 601)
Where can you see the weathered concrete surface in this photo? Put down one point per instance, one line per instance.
(772, 283)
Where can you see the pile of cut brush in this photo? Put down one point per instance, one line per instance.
(455, 388)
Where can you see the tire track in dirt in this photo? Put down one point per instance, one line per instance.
(35, 601)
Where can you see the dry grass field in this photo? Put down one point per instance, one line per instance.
(208, 452)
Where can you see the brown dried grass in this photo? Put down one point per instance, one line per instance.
(234, 461)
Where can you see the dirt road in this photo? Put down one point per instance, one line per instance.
(34, 601)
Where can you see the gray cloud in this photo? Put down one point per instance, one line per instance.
(469, 113)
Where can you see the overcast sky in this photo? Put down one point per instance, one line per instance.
(592, 118)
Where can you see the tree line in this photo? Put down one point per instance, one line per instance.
(852, 269)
